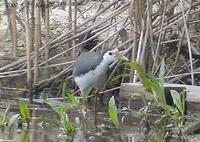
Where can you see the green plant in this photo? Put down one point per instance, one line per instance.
(13, 120)
(3, 118)
(25, 136)
(73, 98)
(166, 115)
(24, 111)
(179, 101)
(8, 122)
(66, 126)
(112, 110)
(151, 84)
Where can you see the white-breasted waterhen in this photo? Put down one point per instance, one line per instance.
(91, 69)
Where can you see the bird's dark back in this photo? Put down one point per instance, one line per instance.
(85, 62)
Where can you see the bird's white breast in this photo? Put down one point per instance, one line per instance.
(93, 79)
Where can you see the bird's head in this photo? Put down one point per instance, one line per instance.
(111, 55)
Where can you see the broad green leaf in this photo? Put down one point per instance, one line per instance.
(112, 110)
(177, 101)
(13, 120)
(159, 90)
(24, 110)
(150, 83)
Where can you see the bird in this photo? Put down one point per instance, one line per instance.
(91, 69)
(89, 44)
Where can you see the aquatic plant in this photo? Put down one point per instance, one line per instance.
(66, 125)
(24, 111)
(14, 119)
(179, 101)
(3, 117)
(112, 111)
(167, 115)
(25, 136)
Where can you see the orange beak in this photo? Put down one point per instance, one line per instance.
(118, 52)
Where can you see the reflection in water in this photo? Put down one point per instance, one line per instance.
(44, 127)
(48, 130)
(25, 136)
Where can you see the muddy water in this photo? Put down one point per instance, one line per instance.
(88, 129)
(44, 127)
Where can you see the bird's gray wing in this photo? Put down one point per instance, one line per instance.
(85, 62)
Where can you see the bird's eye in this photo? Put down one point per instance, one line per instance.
(110, 53)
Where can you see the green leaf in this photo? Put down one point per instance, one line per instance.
(150, 83)
(25, 136)
(141, 71)
(158, 89)
(123, 58)
(161, 82)
(162, 71)
(1, 121)
(120, 76)
(55, 107)
(153, 140)
(112, 110)
(68, 127)
(183, 99)
(137, 95)
(13, 120)
(24, 110)
(6, 112)
(73, 98)
(1, 19)
(177, 99)
(64, 88)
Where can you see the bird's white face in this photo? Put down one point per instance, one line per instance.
(111, 55)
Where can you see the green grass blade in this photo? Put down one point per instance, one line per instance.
(1, 121)
(161, 82)
(64, 88)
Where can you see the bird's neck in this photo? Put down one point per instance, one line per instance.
(105, 63)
